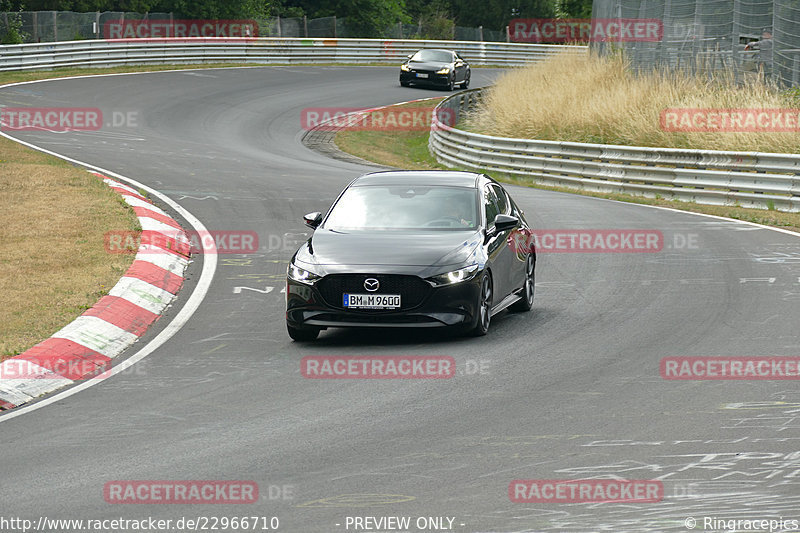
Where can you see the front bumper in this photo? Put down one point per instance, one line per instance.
(449, 305)
(439, 80)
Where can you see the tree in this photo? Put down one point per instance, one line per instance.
(574, 9)
(12, 31)
(365, 18)
(496, 14)
(215, 9)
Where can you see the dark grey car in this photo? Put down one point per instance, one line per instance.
(434, 67)
(413, 249)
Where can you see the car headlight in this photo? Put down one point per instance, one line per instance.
(303, 276)
(444, 70)
(404, 68)
(456, 276)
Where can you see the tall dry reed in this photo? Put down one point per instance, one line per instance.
(598, 100)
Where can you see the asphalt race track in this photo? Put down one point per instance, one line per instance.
(569, 391)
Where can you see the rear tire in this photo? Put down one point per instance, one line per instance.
(484, 309)
(526, 302)
(302, 334)
(405, 84)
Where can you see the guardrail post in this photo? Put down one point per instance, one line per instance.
(334, 26)
(55, 26)
(305, 26)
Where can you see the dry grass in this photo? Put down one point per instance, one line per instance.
(598, 100)
(53, 264)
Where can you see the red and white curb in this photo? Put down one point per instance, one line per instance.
(84, 348)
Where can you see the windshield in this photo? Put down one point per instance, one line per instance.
(405, 208)
(437, 56)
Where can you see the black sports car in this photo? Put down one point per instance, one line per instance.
(441, 68)
(412, 249)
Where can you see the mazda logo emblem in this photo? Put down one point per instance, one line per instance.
(371, 284)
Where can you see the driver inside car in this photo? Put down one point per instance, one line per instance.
(457, 211)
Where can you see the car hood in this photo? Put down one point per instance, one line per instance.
(429, 65)
(332, 251)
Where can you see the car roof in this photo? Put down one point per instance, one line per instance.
(448, 178)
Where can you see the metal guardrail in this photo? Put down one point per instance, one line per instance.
(109, 53)
(747, 179)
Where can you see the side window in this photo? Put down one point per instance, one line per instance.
(503, 205)
(490, 205)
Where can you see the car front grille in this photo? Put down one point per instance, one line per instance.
(412, 289)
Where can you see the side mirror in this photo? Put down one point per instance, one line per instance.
(409, 56)
(313, 220)
(504, 223)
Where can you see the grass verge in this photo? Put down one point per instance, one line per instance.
(14, 77)
(53, 264)
(409, 150)
(402, 149)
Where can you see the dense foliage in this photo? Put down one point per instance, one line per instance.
(369, 16)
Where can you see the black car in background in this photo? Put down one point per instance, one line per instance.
(412, 249)
(439, 68)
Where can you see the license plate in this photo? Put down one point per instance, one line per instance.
(371, 301)
(421, 75)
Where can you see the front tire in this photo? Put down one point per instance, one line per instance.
(484, 310)
(451, 85)
(526, 302)
(302, 334)
(465, 85)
